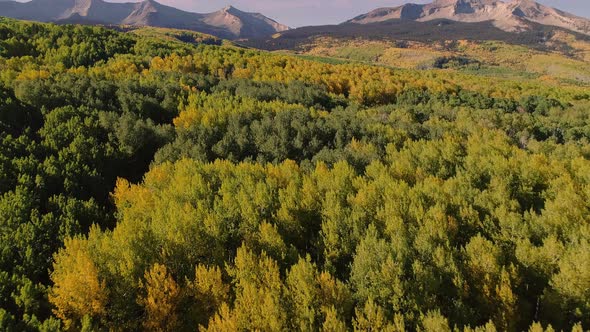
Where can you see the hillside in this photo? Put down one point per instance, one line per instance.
(495, 58)
(545, 51)
(229, 22)
(510, 15)
(429, 31)
(154, 179)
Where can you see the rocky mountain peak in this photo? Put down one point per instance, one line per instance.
(510, 15)
(228, 22)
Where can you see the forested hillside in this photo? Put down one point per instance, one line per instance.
(150, 181)
(478, 48)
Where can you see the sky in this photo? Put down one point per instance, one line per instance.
(297, 13)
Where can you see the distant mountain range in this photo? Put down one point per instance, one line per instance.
(229, 22)
(517, 22)
(512, 16)
(526, 18)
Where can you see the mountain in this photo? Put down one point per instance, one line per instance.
(246, 25)
(228, 22)
(435, 31)
(492, 37)
(512, 16)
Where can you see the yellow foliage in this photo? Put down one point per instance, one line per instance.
(161, 300)
(122, 191)
(208, 281)
(33, 74)
(209, 290)
(332, 323)
(259, 300)
(77, 289)
(372, 318)
(223, 321)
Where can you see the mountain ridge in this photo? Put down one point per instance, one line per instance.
(511, 16)
(229, 22)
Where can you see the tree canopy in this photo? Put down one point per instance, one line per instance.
(151, 184)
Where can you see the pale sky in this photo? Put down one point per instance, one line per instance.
(296, 13)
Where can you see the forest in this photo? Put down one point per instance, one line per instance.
(152, 183)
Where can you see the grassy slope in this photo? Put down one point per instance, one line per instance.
(174, 35)
(496, 58)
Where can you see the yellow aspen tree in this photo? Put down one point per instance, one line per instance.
(209, 291)
(332, 323)
(371, 318)
(434, 321)
(77, 289)
(161, 299)
(304, 293)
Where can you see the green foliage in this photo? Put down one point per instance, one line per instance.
(149, 181)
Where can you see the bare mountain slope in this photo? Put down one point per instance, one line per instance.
(512, 16)
(245, 25)
(228, 23)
